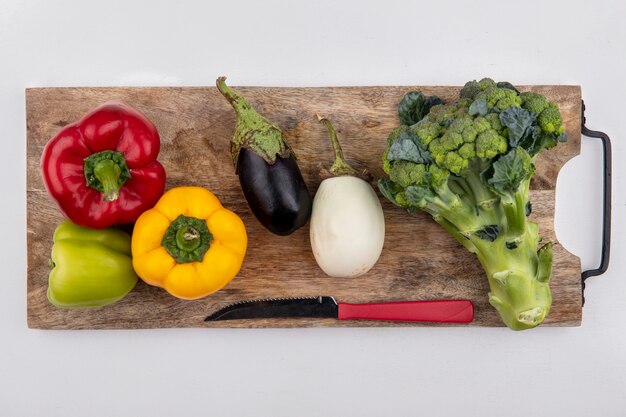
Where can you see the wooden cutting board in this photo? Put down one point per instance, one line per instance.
(419, 260)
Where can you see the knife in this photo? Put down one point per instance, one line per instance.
(433, 311)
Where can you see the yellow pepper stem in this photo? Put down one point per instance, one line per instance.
(187, 239)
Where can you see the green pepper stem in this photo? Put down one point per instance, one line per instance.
(108, 173)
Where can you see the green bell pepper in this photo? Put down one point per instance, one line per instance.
(90, 268)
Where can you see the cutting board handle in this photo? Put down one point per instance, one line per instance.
(606, 203)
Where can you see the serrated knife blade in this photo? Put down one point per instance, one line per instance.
(432, 311)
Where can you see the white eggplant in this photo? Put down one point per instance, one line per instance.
(347, 226)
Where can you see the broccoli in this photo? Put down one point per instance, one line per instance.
(469, 164)
(549, 116)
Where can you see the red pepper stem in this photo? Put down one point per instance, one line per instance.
(108, 173)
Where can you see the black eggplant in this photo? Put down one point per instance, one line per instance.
(267, 168)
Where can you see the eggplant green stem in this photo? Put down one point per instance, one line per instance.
(237, 101)
(340, 167)
(253, 131)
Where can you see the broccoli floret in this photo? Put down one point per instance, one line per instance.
(467, 151)
(438, 176)
(458, 125)
(436, 148)
(451, 140)
(405, 173)
(426, 130)
(494, 121)
(454, 162)
(500, 98)
(470, 90)
(510, 99)
(490, 143)
(386, 161)
(496, 96)
(486, 83)
(400, 199)
(550, 119)
(492, 95)
(481, 124)
(473, 177)
(469, 134)
(533, 102)
(445, 114)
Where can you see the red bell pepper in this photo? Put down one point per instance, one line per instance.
(102, 170)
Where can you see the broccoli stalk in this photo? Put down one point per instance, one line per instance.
(469, 165)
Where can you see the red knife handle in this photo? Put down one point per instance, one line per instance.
(435, 311)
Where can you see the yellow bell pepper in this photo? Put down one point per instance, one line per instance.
(188, 244)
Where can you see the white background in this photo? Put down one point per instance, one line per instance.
(318, 372)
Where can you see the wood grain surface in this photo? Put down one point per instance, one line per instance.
(419, 260)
